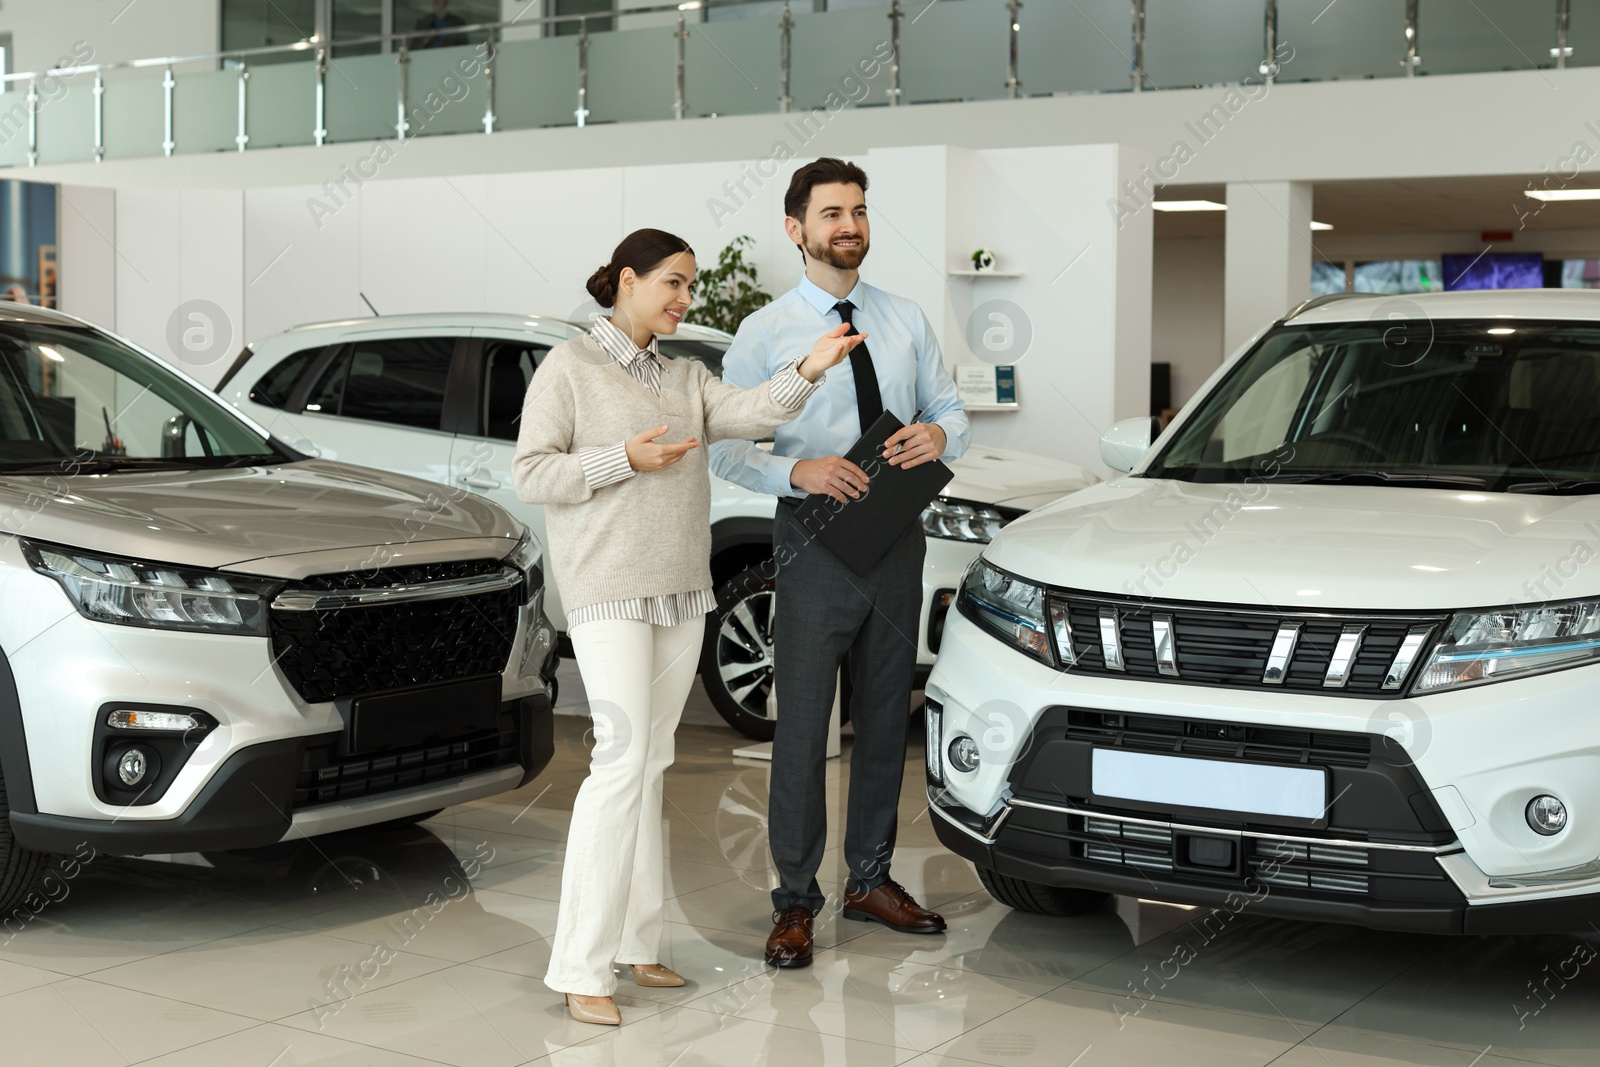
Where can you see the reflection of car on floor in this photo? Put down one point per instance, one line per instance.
(212, 642)
(1330, 650)
(439, 396)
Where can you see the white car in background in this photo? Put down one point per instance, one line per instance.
(439, 396)
(1330, 650)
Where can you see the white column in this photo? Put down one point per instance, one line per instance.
(1266, 254)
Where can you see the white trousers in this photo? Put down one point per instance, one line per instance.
(613, 885)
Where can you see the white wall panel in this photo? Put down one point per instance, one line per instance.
(297, 267)
(551, 230)
(423, 244)
(87, 221)
(148, 264)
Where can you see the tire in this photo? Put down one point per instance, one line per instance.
(736, 658)
(1038, 899)
(20, 868)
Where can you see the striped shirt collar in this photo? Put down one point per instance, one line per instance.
(619, 345)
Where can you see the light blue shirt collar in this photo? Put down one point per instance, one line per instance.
(822, 300)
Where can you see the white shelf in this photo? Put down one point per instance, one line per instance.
(993, 407)
(985, 273)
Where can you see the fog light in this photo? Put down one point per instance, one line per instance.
(128, 719)
(1547, 815)
(134, 766)
(964, 754)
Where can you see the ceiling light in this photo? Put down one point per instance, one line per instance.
(1562, 194)
(1501, 330)
(1322, 225)
(1189, 205)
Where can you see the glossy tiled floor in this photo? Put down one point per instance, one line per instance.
(377, 948)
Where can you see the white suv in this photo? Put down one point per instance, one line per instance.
(209, 641)
(439, 395)
(1330, 650)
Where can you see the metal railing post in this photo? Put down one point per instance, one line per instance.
(320, 133)
(680, 101)
(168, 83)
(582, 112)
(242, 138)
(33, 122)
(488, 86)
(896, 16)
(1412, 59)
(1013, 82)
(1137, 73)
(99, 117)
(1562, 50)
(403, 62)
(1269, 31)
(785, 33)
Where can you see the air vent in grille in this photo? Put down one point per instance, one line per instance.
(1230, 647)
(346, 652)
(325, 776)
(1196, 737)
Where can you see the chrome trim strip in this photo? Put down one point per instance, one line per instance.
(1406, 656)
(1166, 651)
(1480, 888)
(994, 827)
(1061, 623)
(1333, 842)
(1344, 654)
(1282, 652)
(364, 811)
(330, 600)
(1111, 639)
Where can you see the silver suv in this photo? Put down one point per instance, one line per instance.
(210, 641)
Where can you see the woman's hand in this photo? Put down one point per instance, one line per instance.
(829, 351)
(644, 454)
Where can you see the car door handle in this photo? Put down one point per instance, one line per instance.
(478, 481)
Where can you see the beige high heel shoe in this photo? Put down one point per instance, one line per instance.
(604, 1013)
(655, 975)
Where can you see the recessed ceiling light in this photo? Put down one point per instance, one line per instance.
(1322, 225)
(1562, 194)
(1501, 330)
(1189, 205)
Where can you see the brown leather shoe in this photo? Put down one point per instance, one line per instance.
(789, 944)
(892, 906)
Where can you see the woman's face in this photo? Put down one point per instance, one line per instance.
(657, 301)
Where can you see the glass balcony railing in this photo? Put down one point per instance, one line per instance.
(739, 57)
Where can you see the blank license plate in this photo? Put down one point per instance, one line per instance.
(1220, 785)
(425, 715)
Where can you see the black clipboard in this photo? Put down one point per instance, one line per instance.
(861, 531)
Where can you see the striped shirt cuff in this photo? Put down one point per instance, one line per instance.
(790, 388)
(604, 465)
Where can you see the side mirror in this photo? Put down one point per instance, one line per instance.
(1126, 442)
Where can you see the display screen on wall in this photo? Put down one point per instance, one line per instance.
(1580, 274)
(1499, 270)
(28, 243)
(1398, 276)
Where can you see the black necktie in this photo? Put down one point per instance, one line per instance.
(869, 402)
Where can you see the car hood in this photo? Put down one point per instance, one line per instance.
(255, 519)
(989, 475)
(1309, 546)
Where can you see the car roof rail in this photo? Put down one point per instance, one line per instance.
(1318, 301)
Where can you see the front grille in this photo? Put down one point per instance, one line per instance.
(347, 652)
(1218, 645)
(1196, 737)
(326, 776)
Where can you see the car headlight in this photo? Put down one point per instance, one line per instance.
(1491, 646)
(1006, 606)
(528, 558)
(960, 520)
(135, 593)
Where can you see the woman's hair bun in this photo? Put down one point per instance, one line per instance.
(602, 285)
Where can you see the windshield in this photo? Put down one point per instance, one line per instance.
(73, 396)
(1499, 404)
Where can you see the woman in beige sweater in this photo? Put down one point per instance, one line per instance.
(610, 443)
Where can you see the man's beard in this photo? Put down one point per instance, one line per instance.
(837, 258)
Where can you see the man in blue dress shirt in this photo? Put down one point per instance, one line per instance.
(826, 612)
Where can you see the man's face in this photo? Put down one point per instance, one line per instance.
(835, 230)
(439, 6)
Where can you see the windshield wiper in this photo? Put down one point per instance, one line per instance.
(1559, 487)
(1407, 479)
(128, 464)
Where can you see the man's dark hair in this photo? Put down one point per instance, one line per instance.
(824, 171)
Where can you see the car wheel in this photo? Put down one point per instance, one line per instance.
(1040, 899)
(20, 868)
(736, 660)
